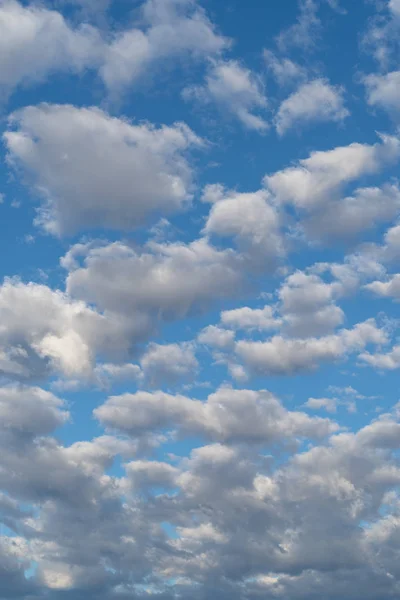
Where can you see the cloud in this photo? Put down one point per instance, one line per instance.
(92, 170)
(388, 361)
(216, 337)
(228, 416)
(46, 332)
(251, 219)
(387, 289)
(382, 91)
(246, 318)
(321, 177)
(169, 364)
(236, 91)
(36, 42)
(175, 279)
(365, 209)
(171, 29)
(314, 102)
(328, 404)
(284, 70)
(285, 356)
(308, 305)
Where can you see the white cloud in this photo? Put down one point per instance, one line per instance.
(314, 102)
(169, 364)
(44, 330)
(388, 289)
(284, 69)
(260, 319)
(175, 279)
(236, 90)
(348, 217)
(388, 361)
(382, 91)
(171, 29)
(251, 219)
(216, 337)
(93, 170)
(285, 356)
(321, 177)
(328, 404)
(35, 42)
(308, 305)
(227, 416)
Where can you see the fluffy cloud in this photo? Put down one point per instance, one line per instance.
(388, 361)
(284, 356)
(228, 416)
(351, 215)
(93, 170)
(284, 70)
(308, 305)
(329, 404)
(233, 520)
(169, 364)
(321, 177)
(235, 90)
(314, 102)
(171, 29)
(44, 331)
(388, 289)
(173, 279)
(382, 91)
(35, 42)
(38, 42)
(251, 219)
(260, 319)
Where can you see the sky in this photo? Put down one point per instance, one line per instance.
(199, 330)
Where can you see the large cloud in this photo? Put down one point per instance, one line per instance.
(320, 178)
(44, 331)
(170, 29)
(167, 281)
(92, 170)
(228, 416)
(36, 42)
(282, 356)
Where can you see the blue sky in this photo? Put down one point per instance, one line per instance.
(199, 333)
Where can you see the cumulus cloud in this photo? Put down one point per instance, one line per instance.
(169, 364)
(388, 289)
(170, 29)
(284, 356)
(251, 219)
(346, 218)
(173, 279)
(328, 404)
(236, 90)
(284, 70)
(44, 331)
(246, 318)
(36, 42)
(388, 361)
(382, 91)
(322, 176)
(314, 102)
(92, 170)
(228, 416)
